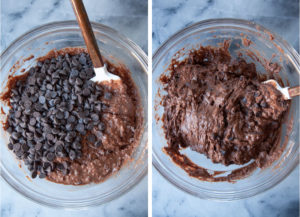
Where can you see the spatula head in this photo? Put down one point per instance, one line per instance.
(283, 90)
(102, 74)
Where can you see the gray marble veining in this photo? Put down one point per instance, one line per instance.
(280, 16)
(130, 19)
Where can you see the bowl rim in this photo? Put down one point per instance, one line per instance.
(209, 24)
(142, 57)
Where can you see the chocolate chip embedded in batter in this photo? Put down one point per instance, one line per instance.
(82, 59)
(107, 95)
(72, 154)
(95, 117)
(80, 128)
(98, 144)
(91, 138)
(101, 126)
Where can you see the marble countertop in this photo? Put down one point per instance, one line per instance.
(280, 16)
(130, 19)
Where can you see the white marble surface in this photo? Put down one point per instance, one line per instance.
(129, 18)
(280, 16)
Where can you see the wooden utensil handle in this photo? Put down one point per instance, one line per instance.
(294, 91)
(87, 33)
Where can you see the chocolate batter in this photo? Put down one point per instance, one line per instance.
(219, 107)
(107, 147)
(121, 135)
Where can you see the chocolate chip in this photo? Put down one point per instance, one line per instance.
(101, 126)
(69, 127)
(60, 167)
(214, 136)
(86, 92)
(10, 146)
(59, 148)
(244, 100)
(42, 175)
(15, 135)
(82, 75)
(34, 174)
(31, 80)
(263, 104)
(55, 131)
(36, 114)
(95, 117)
(16, 147)
(50, 137)
(72, 154)
(107, 95)
(50, 156)
(59, 115)
(38, 146)
(78, 81)
(18, 114)
(23, 125)
(25, 147)
(98, 144)
(71, 119)
(99, 134)
(76, 145)
(91, 138)
(82, 60)
(80, 128)
(32, 121)
(42, 100)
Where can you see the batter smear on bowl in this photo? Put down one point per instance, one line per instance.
(67, 128)
(218, 106)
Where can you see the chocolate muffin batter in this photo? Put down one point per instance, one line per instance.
(122, 121)
(67, 128)
(218, 106)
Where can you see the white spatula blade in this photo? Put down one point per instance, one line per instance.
(283, 90)
(103, 75)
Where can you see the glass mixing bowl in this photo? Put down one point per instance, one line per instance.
(117, 49)
(268, 44)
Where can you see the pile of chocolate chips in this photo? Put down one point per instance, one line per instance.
(51, 110)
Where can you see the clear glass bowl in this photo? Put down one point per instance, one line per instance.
(117, 49)
(213, 32)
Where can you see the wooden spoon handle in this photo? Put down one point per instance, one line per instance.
(294, 91)
(87, 33)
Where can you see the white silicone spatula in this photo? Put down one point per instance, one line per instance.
(102, 74)
(287, 92)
